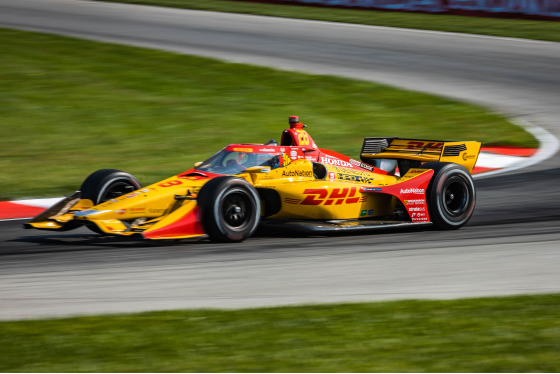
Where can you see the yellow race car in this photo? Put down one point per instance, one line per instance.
(291, 185)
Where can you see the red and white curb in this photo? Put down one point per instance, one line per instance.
(491, 159)
(498, 158)
(25, 208)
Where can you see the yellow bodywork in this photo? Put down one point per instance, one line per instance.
(146, 209)
(337, 197)
(297, 189)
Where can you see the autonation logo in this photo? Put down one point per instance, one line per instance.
(416, 191)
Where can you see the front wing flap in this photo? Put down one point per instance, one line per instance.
(60, 215)
(181, 220)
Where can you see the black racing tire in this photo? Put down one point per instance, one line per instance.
(230, 209)
(451, 195)
(107, 184)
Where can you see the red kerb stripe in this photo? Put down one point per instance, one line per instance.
(10, 210)
(511, 151)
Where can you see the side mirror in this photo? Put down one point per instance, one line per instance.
(258, 169)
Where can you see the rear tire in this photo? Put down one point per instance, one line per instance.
(451, 195)
(230, 209)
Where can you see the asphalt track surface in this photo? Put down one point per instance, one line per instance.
(511, 245)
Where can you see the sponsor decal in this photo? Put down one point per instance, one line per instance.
(346, 170)
(293, 154)
(363, 213)
(137, 210)
(361, 164)
(355, 178)
(291, 200)
(120, 211)
(157, 210)
(267, 150)
(423, 145)
(243, 149)
(286, 159)
(171, 183)
(370, 189)
(332, 175)
(335, 162)
(297, 173)
(366, 166)
(132, 195)
(422, 209)
(415, 202)
(370, 212)
(338, 196)
(416, 191)
(468, 157)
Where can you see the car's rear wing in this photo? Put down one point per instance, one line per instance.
(462, 153)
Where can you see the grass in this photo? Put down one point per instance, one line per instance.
(511, 334)
(69, 107)
(518, 28)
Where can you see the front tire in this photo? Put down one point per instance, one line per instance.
(230, 209)
(107, 184)
(451, 195)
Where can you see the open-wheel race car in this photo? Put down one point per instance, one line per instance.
(292, 185)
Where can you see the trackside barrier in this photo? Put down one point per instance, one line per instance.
(540, 8)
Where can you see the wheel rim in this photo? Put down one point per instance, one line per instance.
(236, 210)
(455, 197)
(116, 189)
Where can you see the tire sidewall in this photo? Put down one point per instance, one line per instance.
(96, 185)
(211, 202)
(446, 175)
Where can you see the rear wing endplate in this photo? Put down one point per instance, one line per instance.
(462, 153)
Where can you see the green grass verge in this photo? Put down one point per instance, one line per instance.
(70, 107)
(512, 334)
(517, 28)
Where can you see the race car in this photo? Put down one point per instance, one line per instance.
(294, 185)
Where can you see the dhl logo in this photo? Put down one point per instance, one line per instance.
(318, 196)
(423, 145)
